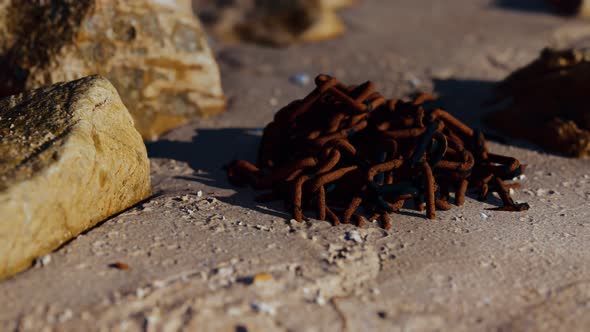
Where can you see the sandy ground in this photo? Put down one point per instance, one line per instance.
(204, 256)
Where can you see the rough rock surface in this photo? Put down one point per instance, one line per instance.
(69, 158)
(154, 52)
(274, 22)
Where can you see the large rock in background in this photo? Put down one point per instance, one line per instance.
(154, 52)
(546, 102)
(273, 22)
(69, 158)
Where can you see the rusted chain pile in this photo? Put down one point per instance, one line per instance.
(345, 147)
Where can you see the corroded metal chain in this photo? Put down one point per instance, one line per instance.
(346, 147)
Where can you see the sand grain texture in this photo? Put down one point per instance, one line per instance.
(194, 249)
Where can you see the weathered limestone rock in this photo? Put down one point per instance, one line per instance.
(154, 52)
(69, 158)
(274, 22)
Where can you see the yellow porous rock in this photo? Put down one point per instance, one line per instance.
(273, 22)
(155, 53)
(585, 8)
(70, 157)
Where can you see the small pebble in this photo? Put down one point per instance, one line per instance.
(262, 228)
(262, 277)
(140, 293)
(216, 217)
(264, 308)
(414, 81)
(354, 236)
(65, 316)
(44, 260)
(234, 311)
(320, 300)
(120, 266)
(225, 272)
(484, 216)
(520, 177)
(300, 79)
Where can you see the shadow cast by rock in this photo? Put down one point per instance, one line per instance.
(535, 6)
(470, 101)
(465, 99)
(208, 152)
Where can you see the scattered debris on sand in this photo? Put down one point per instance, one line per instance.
(548, 102)
(343, 147)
